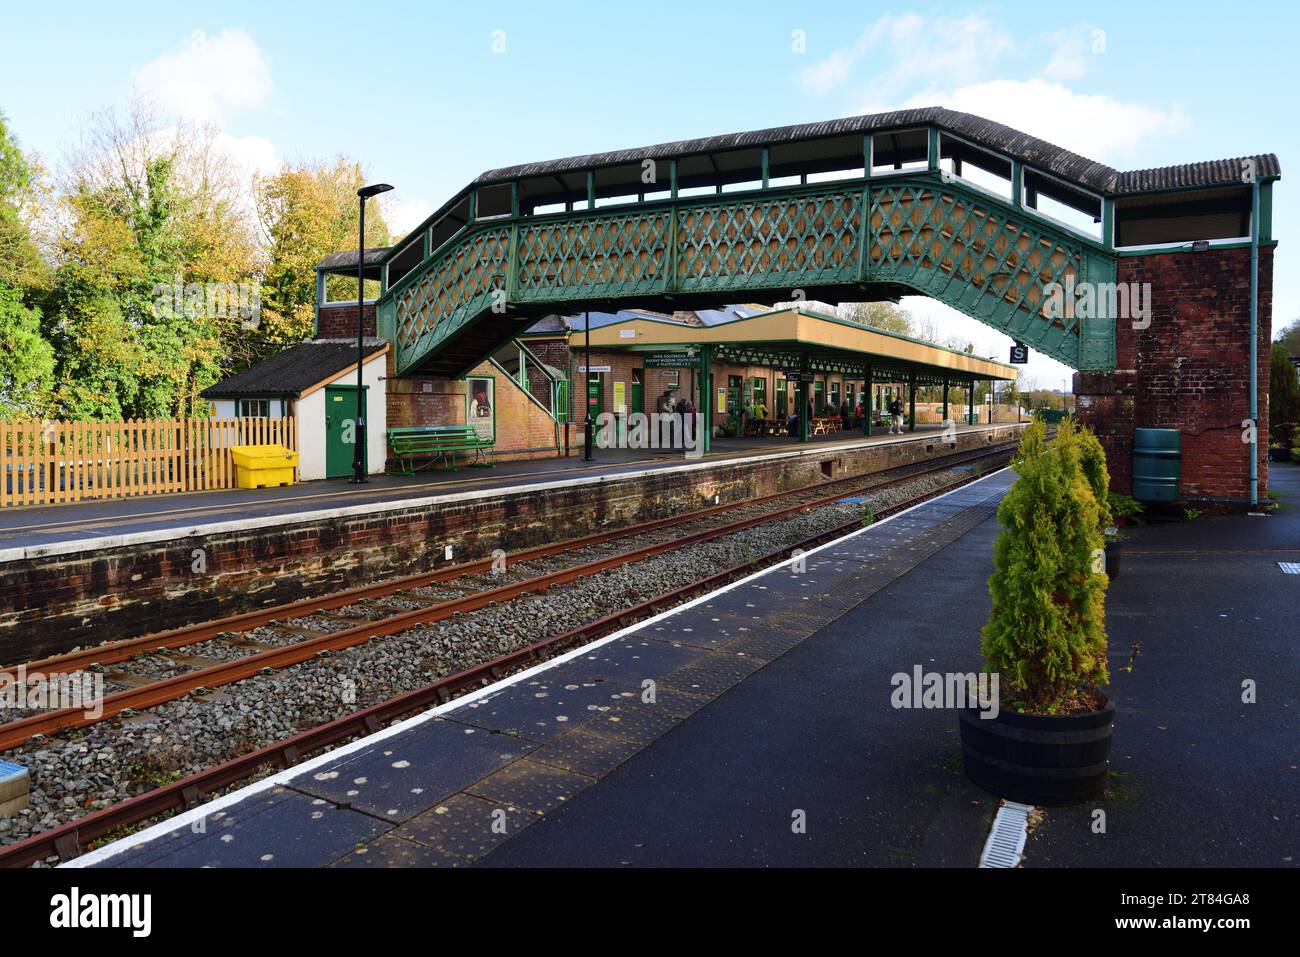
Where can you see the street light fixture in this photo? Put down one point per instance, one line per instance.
(359, 432)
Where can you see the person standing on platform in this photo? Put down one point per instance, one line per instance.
(896, 416)
(846, 416)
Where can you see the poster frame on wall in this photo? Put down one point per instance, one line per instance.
(472, 418)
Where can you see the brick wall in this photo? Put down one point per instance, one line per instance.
(340, 321)
(523, 429)
(1188, 370)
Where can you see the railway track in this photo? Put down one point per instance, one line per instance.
(67, 840)
(205, 674)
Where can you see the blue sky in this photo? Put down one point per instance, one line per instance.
(426, 98)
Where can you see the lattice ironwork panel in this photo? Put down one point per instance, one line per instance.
(769, 243)
(977, 258)
(452, 290)
(618, 255)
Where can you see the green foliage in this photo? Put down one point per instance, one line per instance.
(1092, 459)
(883, 315)
(307, 212)
(89, 323)
(21, 266)
(118, 355)
(1046, 634)
(1289, 337)
(1284, 397)
(26, 360)
(1123, 506)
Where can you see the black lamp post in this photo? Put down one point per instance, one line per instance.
(359, 433)
(587, 424)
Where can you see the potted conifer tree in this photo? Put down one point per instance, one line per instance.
(1046, 637)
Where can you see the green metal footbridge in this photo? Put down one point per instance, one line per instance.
(974, 214)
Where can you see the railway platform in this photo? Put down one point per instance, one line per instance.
(754, 726)
(87, 573)
(77, 527)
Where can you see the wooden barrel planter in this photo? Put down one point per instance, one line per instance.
(1049, 760)
(1114, 550)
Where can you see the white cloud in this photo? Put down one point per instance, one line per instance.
(828, 75)
(907, 48)
(912, 61)
(404, 213)
(1093, 125)
(208, 78)
(1073, 52)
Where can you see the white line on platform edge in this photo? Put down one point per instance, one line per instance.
(186, 818)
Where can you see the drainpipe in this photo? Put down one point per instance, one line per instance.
(1254, 341)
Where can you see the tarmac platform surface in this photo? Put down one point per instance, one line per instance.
(771, 740)
(29, 531)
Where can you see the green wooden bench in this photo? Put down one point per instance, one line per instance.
(441, 443)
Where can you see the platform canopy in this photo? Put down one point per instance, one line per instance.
(799, 339)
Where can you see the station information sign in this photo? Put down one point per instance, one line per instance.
(670, 360)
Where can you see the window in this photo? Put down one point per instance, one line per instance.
(1158, 218)
(254, 408)
(900, 150)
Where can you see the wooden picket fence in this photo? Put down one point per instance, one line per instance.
(49, 462)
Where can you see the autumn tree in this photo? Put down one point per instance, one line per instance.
(145, 208)
(308, 211)
(1289, 337)
(1284, 397)
(885, 316)
(26, 359)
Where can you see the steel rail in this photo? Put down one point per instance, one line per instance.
(70, 840)
(171, 639)
(155, 693)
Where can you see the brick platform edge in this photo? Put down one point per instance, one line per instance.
(50, 605)
(1189, 370)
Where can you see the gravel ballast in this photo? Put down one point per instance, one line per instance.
(82, 771)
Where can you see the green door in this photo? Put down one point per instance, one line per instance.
(595, 393)
(733, 394)
(819, 396)
(340, 429)
(782, 408)
(638, 390)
